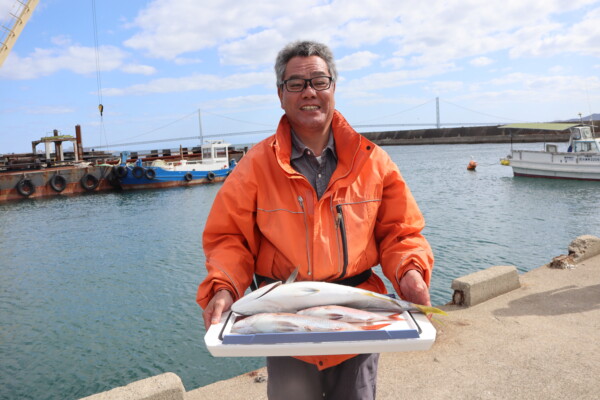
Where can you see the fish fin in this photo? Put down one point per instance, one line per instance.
(292, 276)
(429, 310)
(396, 317)
(373, 327)
(285, 326)
(260, 292)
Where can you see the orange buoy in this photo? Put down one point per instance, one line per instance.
(472, 165)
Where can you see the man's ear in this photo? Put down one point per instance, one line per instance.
(280, 94)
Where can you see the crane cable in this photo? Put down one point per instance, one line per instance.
(98, 74)
(98, 77)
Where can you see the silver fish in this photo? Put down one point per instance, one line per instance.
(347, 314)
(295, 296)
(287, 322)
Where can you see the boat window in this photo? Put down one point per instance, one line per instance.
(576, 134)
(221, 152)
(586, 133)
(583, 146)
(206, 153)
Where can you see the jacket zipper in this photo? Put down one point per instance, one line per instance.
(342, 227)
(301, 201)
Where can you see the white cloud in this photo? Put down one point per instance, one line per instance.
(187, 61)
(61, 40)
(580, 38)
(50, 110)
(239, 102)
(532, 89)
(169, 29)
(6, 8)
(195, 82)
(394, 63)
(260, 48)
(423, 33)
(138, 69)
(441, 87)
(356, 61)
(481, 61)
(44, 62)
(385, 80)
(75, 58)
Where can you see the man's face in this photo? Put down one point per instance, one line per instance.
(308, 110)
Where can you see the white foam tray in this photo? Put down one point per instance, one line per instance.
(414, 333)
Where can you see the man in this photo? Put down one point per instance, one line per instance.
(319, 197)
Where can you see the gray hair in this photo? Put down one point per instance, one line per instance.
(303, 49)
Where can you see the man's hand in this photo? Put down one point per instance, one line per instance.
(414, 288)
(221, 302)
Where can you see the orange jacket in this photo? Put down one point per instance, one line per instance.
(266, 219)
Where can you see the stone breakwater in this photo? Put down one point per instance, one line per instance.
(464, 135)
(517, 336)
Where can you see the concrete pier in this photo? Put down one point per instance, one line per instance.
(538, 340)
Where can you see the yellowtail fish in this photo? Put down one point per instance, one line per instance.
(295, 296)
(287, 322)
(347, 314)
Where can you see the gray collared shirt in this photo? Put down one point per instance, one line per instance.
(317, 170)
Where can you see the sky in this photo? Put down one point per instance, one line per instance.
(168, 72)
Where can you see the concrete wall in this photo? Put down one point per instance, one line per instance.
(464, 135)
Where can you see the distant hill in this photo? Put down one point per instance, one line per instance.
(593, 117)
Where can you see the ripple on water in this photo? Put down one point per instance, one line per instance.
(99, 291)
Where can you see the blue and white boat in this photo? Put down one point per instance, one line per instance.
(214, 166)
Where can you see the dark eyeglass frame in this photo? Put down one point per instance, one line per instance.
(306, 83)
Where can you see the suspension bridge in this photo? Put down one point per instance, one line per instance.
(364, 126)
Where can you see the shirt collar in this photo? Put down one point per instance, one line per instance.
(299, 148)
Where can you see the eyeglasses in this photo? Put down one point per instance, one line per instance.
(299, 84)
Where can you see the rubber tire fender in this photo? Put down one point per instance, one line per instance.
(150, 173)
(58, 183)
(138, 172)
(120, 171)
(210, 176)
(188, 176)
(85, 182)
(25, 187)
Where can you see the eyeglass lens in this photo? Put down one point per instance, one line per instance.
(299, 84)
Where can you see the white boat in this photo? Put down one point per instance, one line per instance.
(581, 159)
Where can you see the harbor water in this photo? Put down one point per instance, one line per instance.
(98, 290)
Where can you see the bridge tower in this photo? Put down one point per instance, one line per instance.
(437, 112)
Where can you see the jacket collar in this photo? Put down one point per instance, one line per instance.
(351, 148)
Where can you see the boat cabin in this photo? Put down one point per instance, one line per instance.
(583, 140)
(215, 151)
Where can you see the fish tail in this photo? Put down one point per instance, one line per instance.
(429, 310)
(373, 327)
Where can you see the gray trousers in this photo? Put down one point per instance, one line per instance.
(292, 379)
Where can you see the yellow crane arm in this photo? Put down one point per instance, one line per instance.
(16, 26)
